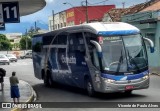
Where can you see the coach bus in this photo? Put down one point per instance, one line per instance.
(99, 57)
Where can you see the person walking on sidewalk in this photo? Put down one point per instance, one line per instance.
(2, 74)
(14, 87)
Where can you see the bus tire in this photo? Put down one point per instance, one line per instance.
(129, 92)
(89, 88)
(45, 79)
(48, 80)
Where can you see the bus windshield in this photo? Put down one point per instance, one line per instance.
(123, 53)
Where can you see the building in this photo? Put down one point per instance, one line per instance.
(115, 14)
(77, 15)
(14, 39)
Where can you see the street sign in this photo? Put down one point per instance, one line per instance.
(10, 12)
(2, 26)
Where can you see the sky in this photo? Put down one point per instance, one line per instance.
(58, 6)
(41, 17)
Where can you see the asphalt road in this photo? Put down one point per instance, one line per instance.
(61, 93)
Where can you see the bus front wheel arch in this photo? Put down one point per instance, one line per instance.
(89, 87)
(129, 92)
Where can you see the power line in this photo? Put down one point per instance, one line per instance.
(98, 2)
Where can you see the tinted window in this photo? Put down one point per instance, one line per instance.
(47, 40)
(62, 38)
(37, 44)
(76, 42)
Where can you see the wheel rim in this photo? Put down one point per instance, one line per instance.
(89, 88)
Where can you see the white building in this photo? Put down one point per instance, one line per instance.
(14, 39)
(59, 21)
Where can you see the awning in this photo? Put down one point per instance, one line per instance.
(28, 6)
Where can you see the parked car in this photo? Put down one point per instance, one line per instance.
(27, 55)
(4, 59)
(12, 57)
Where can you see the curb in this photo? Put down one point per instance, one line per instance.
(157, 74)
(31, 98)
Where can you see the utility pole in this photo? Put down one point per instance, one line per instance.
(86, 11)
(35, 26)
(53, 18)
(123, 5)
(26, 39)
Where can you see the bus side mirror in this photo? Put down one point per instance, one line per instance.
(152, 49)
(150, 43)
(98, 47)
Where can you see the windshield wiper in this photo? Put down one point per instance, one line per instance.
(120, 61)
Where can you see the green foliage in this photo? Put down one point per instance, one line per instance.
(25, 43)
(5, 43)
(33, 31)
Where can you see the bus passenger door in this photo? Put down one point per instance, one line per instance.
(76, 59)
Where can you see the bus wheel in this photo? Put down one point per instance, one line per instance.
(50, 81)
(129, 92)
(47, 81)
(89, 87)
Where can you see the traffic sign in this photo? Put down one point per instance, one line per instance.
(2, 26)
(10, 12)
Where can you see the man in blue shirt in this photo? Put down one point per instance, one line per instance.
(14, 87)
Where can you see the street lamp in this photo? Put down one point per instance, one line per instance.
(86, 15)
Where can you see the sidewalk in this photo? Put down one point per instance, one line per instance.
(26, 93)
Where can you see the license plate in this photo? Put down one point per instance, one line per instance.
(129, 87)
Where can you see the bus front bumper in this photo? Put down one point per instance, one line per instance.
(119, 86)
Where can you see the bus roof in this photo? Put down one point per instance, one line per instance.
(114, 28)
(101, 28)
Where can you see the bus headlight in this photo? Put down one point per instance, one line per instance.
(146, 77)
(109, 80)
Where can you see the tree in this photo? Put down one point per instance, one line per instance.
(32, 31)
(25, 43)
(5, 43)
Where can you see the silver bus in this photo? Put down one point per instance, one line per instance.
(99, 57)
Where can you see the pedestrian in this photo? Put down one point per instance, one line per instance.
(2, 74)
(14, 87)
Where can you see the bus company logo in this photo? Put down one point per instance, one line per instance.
(71, 60)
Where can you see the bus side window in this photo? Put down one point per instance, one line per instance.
(47, 40)
(62, 38)
(95, 58)
(90, 36)
(37, 44)
(76, 42)
(92, 49)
